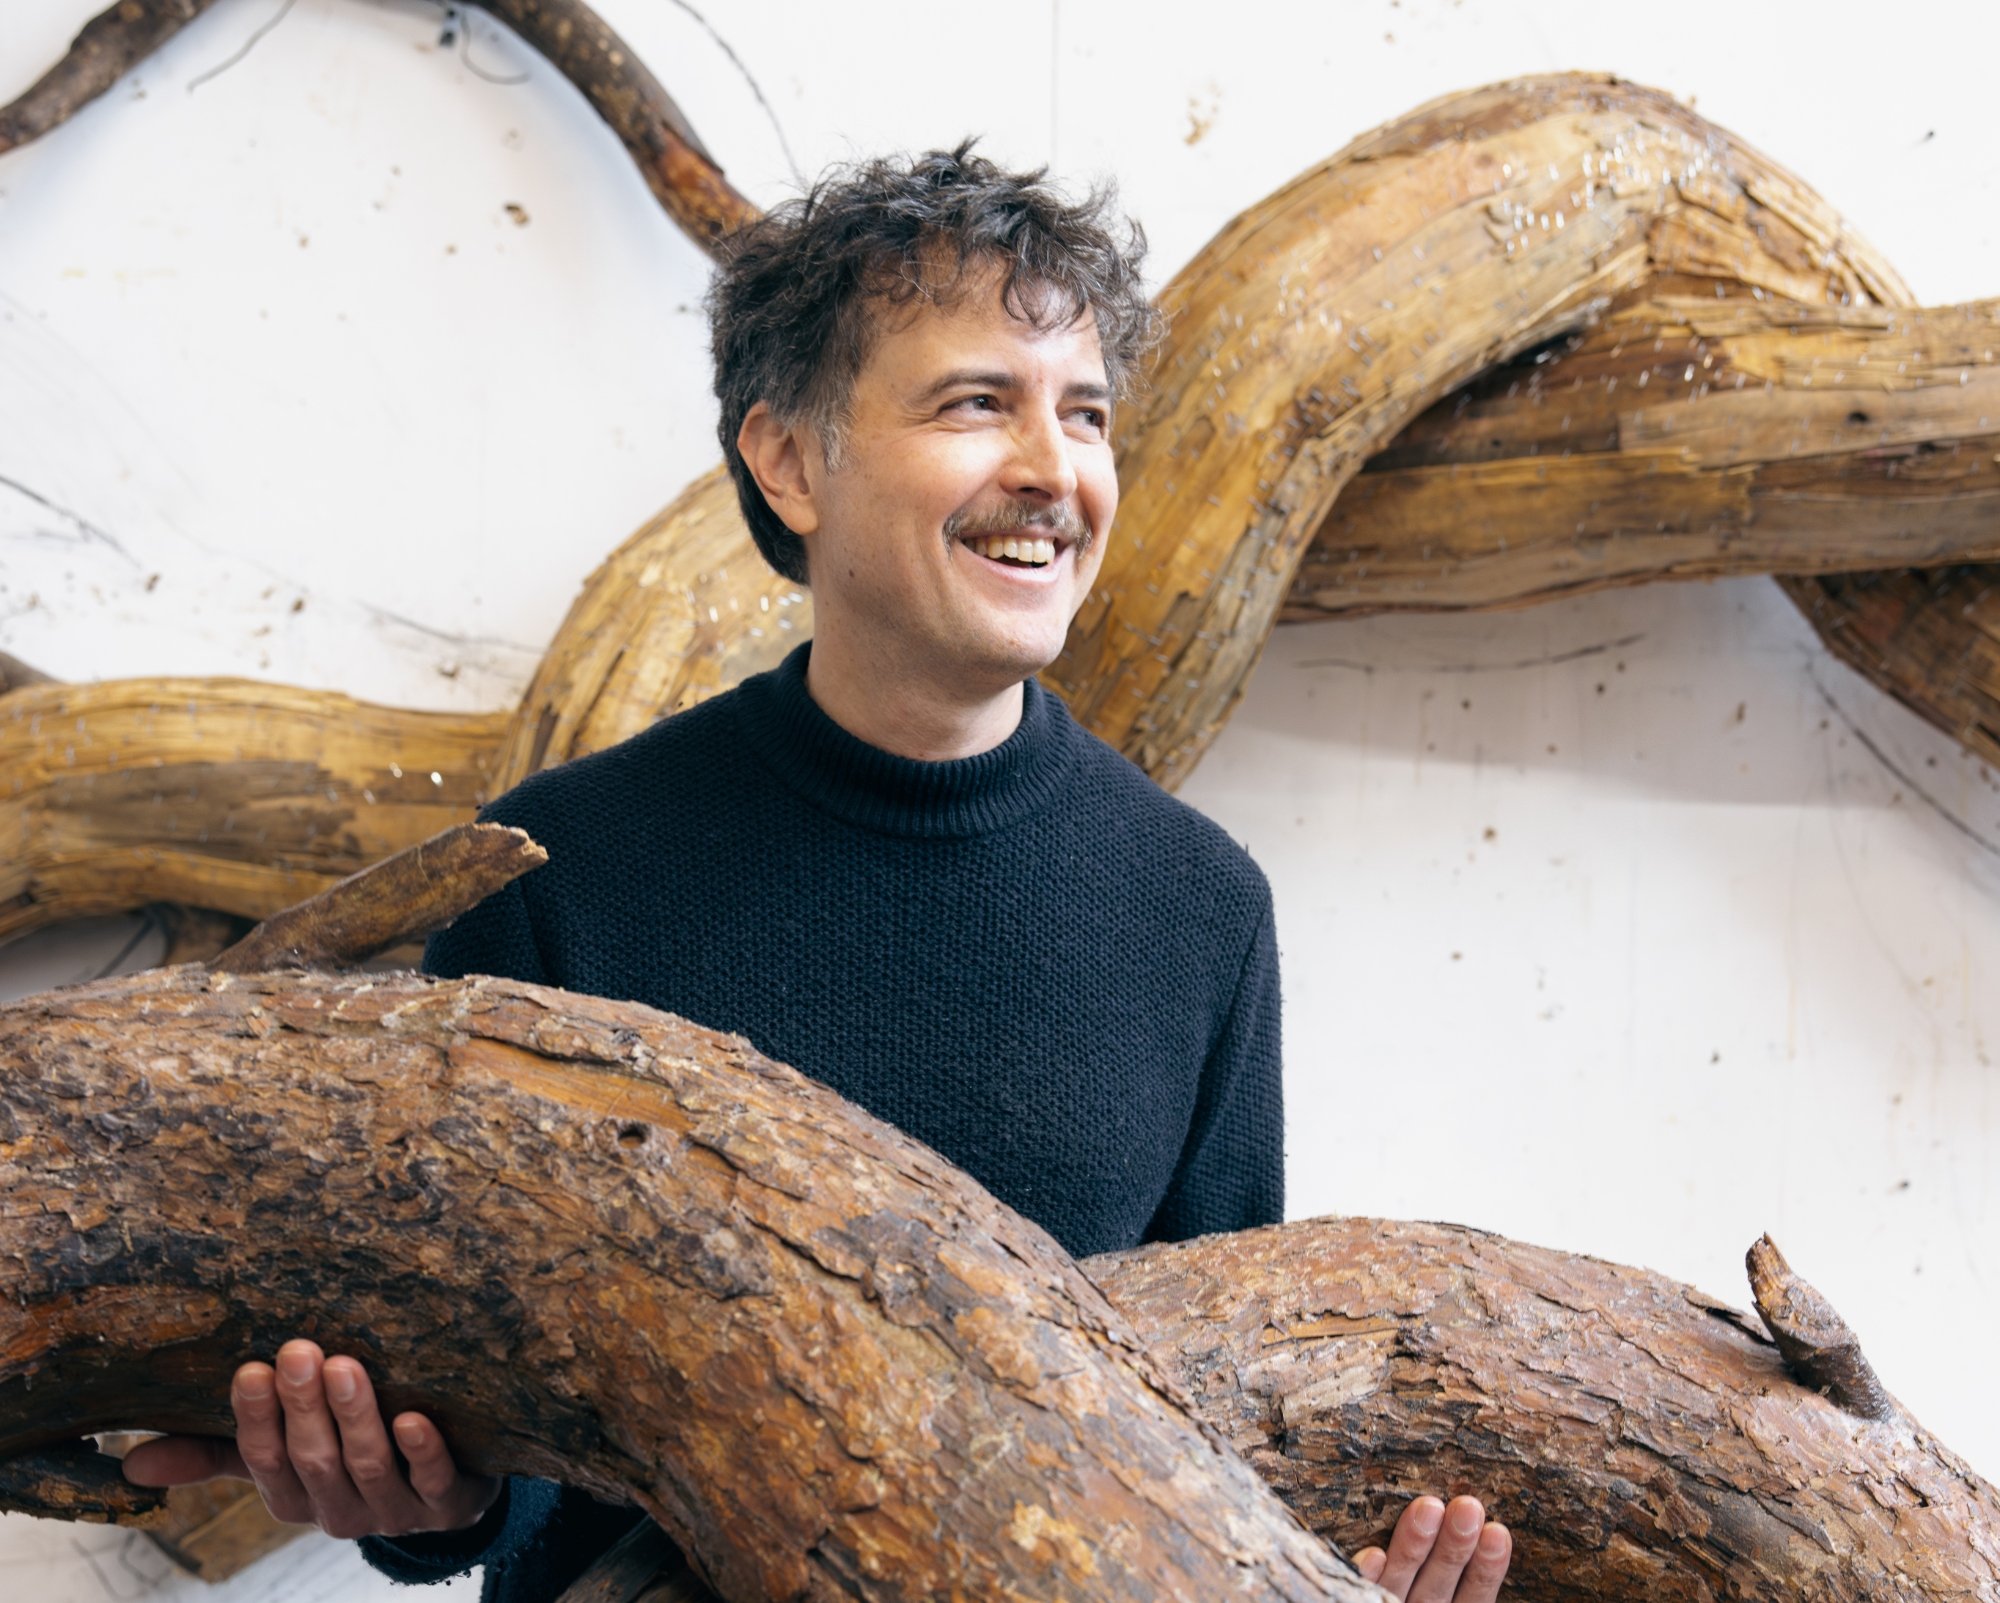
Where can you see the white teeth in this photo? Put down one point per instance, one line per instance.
(997, 546)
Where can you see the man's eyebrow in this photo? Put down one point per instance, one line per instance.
(997, 379)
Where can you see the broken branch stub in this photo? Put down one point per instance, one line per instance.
(402, 898)
(1819, 1349)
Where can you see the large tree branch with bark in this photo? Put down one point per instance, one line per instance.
(600, 1243)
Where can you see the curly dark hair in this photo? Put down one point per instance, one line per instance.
(793, 310)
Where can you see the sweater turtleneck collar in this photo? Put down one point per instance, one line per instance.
(892, 795)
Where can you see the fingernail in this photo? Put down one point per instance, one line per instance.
(297, 1367)
(1466, 1518)
(340, 1385)
(254, 1385)
(1427, 1516)
(409, 1433)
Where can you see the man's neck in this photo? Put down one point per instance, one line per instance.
(903, 714)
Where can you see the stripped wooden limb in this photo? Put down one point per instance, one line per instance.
(1311, 329)
(110, 45)
(1681, 437)
(216, 793)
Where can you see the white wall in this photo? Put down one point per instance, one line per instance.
(1639, 971)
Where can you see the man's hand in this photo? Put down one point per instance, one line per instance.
(1441, 1555)
(311, 1436)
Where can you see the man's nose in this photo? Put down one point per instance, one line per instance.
(1040, 464)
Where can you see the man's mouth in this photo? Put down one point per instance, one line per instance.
(1016, 551)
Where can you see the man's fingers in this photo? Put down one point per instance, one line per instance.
(1482, 1578)
(260, 1443)
(1371, 1561)
(1410, 1544)
(312, 1443)
(1437, 1581)
(365, 1451)
(183, 1460)
(456, 1500)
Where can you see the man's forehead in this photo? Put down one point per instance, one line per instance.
(926, 331)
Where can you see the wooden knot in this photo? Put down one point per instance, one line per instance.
(1815, 1342)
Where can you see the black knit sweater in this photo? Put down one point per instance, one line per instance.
(1033, 960)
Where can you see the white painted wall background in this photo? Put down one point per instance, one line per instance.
(1572, 950)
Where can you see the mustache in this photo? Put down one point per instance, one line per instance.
(1011, 517)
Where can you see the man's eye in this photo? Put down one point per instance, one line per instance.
(982, 403)
(1096, 418)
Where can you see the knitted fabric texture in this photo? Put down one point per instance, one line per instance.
(1033, 960)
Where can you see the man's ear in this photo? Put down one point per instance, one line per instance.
(776, 457)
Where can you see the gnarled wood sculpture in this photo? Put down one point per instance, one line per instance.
(601, 1243)
(710, 1266)
(1305, 336)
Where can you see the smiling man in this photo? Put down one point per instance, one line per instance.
(894, 861)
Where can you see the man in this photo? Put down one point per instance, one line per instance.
(894, 862)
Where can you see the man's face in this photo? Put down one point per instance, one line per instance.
(969, 429)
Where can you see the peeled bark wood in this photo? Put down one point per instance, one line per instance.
(1681, 437)
(1323, 319)
(601, 1244)
(219, 793)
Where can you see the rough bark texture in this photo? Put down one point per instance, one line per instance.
(602, 1244)
(683, 176)
(74, 1481)
(1643, 1440)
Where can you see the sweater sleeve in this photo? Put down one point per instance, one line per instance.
(536, 1540)
(1231, 1174)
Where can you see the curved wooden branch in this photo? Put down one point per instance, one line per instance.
(219, 793)
(684, 178)
(1641, 1439)
(1931, 639)
(666, 1266)
(1311, 329)
(1681, 437)
(110, 45)
(675, 1272)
